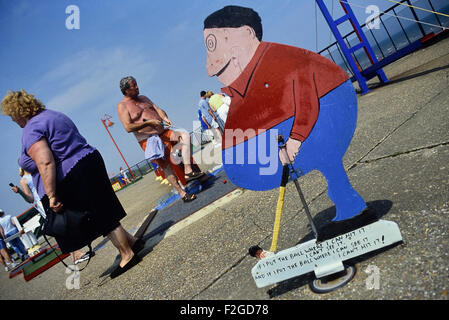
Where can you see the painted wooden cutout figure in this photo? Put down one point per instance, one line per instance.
(279, 89)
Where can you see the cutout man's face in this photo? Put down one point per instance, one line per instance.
(229, 50)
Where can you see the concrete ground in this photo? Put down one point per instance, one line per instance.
(398, 161)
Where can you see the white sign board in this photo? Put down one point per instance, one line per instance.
(325, 257)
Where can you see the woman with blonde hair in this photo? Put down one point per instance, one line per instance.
(69, 173)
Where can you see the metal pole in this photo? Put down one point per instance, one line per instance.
(433, 9)
(415, 16)
(298, 188)
(106, 127)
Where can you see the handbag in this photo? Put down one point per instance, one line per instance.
(68, 224)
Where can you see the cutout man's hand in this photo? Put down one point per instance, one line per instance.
(292, 147)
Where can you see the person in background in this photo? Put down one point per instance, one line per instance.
(124, 177)
(69, 173)
(205, 129)
(209, 118)
(5, 258)
(149, 123)
(219, 103)
(9, 229)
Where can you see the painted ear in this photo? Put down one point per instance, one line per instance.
(251, 31)
(236, 54)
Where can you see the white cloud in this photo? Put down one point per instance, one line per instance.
(91, 77)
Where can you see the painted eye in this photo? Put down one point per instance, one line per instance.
(211, 42)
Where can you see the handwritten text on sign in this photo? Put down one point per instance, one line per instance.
(310, 255)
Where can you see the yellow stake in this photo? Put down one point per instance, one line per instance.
(277, 220)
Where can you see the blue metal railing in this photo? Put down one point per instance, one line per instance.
(395, 33)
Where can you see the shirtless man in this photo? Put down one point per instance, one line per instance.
(143, 118)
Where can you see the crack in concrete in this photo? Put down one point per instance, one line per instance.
(394, 130)
(219, 277)
(403, 153)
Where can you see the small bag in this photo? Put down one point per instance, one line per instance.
(68, 224)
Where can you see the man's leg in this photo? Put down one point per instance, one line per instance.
(183, 139)
(218, 135)
(18, 246)
(170, 176)
(5, 255)
(348, 202)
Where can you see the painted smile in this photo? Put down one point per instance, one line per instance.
(223, 69)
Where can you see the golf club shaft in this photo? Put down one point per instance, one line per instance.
(301, 195)
(306, 208)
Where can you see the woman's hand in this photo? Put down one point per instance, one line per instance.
(55, 204)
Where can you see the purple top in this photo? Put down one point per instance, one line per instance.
(63, 138)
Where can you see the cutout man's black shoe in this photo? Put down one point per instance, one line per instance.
(336, 228)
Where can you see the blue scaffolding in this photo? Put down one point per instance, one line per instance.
(376, 68)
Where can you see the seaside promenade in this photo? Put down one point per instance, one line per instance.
(398, 161)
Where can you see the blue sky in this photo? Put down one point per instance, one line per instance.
(160, 43)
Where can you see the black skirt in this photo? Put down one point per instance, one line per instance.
(87, 188)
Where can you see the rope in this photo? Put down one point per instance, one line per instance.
(419, 8)
(393, 15)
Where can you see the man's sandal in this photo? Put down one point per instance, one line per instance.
(193, 175)
(189, 197)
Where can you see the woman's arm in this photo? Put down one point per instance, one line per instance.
(25, 192)
(43, 157)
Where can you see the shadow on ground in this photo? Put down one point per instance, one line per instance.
(151, 240)
(402, 78)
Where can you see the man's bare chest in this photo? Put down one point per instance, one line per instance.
(138, 110)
